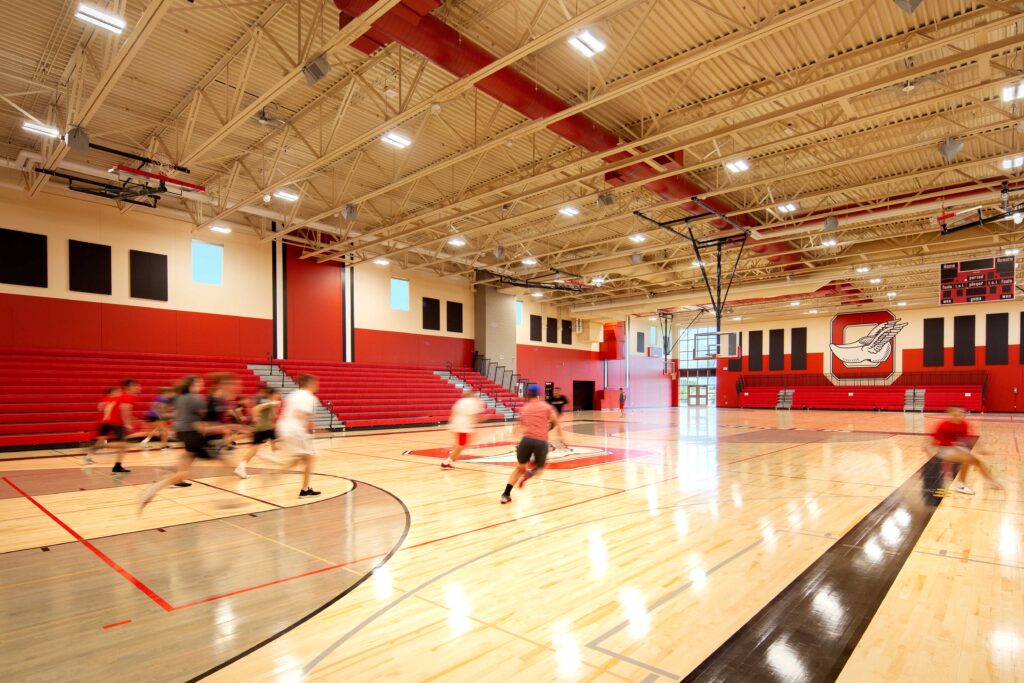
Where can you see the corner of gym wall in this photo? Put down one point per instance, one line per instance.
(231, 319)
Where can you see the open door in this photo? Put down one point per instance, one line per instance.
(583, 395)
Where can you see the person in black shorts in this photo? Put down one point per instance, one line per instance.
(558, 400)
(264, 415)
(536, 418)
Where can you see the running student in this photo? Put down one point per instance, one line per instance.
(536, 418)
(465, 414)
(264, 414)
(295, 428)
(622, 402)
(117, 422)
(558, 400)
(103, 427)
(955, 440)
(159, 416)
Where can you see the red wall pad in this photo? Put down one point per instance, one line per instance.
(33, 322)
(403, 348)
(561, 366)
(314, 308)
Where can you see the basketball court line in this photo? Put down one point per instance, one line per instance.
(236, 493)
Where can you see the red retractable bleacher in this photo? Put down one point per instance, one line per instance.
(496, 391)
(759, 397)
(941, 397)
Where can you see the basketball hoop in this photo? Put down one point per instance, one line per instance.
(156, 183)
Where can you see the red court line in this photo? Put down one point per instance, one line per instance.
(99, 553)
(117, 623)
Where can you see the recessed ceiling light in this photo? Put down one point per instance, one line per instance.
(1013, 92)
(221, 229)
(638, 237)
(788, 207)
(267, 198)
(891, 295)
(1012, 252)
(569, 211)
(457, 241)
(537, 294)
(529, 261)
(587, 44)
(40, 129)
(396, 140)
(862, 269)
(598, 280)
(875, 280)
(1013, 162)
(287, 195)
(794, 303)
(108, 22)
(737, 166)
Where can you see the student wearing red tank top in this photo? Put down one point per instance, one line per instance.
(955, 439)
(536, 418)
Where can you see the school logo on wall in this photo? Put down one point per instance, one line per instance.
(862, 345)
(503, 453)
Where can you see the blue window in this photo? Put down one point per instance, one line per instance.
(399, 294)
(519, 313)
(207, 263)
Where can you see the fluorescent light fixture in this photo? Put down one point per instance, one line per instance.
(637, 238)
(813, 311)
(829, 242)
(598, 281)
(788, 207)
(1013, 92)
(396, 140)
(902, 303)
(891, 295)
(569, 211)
(1012, 252)
(381, 261)
(537, 294)
(587, 44)
(1011, 163)
(40, 129)
(737, 166)
(653, 320)
(108, 22)
(287, 195)
(737, 318)
(862, 269)
(696, 264)
(875, 280)
(794, 303)
(457, 241)
(221, 229)
(529, 261)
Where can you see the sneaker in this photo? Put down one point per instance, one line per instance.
(118, 468)
(308, 492)
(182, 485)
(505, 498)
(165, 448)
(960, 487)
(88, 459)
(148, 495)
(447, 466)
(526, 475)
(240, 471)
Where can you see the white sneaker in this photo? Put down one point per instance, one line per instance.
(960, 487)
(88, 459)
(240, 471)
(148, 495)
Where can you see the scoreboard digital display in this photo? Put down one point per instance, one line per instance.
(983, 279)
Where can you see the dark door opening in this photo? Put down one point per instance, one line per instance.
(582, 395)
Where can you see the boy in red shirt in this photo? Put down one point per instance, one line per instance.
(955, 440)
(116, 423)
(536, 417)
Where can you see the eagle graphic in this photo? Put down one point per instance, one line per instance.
(871, 350)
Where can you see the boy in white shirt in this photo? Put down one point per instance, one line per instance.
(295, 428)
(465, 414)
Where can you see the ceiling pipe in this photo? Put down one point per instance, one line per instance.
(411, 25)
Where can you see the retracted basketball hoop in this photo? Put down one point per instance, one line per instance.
(164, 184)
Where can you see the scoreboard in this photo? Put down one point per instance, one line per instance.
(983, 279)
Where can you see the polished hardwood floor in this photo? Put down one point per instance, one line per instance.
(651, 544)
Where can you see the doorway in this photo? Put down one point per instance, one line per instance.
(696, 394)
(582, 395)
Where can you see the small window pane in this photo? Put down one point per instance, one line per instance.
(399, 294)
(519, 313)
(207, 263)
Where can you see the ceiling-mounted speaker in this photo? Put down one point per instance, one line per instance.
(636, 259)
(499, 253)
(77, 138)
(831, 223)
(316, 70)
(350, 212)
(605, 199)
(950, 148)
(908, 6)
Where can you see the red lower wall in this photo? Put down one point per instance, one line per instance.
(45, 323)
(403, 348)
(314, 308)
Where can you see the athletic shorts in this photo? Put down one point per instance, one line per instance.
(195, 445)
(462, 438)
(946, 452)
(262, 436)
(112, 432)
(297, 443)
(154, 418)
(532, 448)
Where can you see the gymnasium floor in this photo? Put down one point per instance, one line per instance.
(669, 544)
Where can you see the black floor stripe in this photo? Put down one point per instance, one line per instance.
(809, 630)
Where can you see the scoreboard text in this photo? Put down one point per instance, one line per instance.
(983, 279)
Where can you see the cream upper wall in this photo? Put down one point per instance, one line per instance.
(246, 290)
(372, 297)
(587, 341)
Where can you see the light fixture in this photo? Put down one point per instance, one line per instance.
(638, 237)
(1012, 252)
(597, 280)
(605, 199)
(40, 129)
(267, 198)
(875, 280)
(794, 303)
(891, 295)
(862, 269)
(737, 166)
(287, 195)
(1018, 217)
(950, 148)
(813, 311)
(221, 229)
(737, 318)
(1013, 92)
(316, 70)
(902, 303)
(1014, 162)
(653, 320)
(381, 261)
(829, 242)
(586, 44)
(636, 258)
(696, 264)
(788, 207)
(537, 295)
(390, 92)
(529, 261)
(569, 211)
(457, 241)
(396, 140)
(108, 22)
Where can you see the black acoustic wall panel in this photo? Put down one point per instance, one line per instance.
(640, 342)
(567, 332)
(934, 344)
(88, 267)
(776, 349)
(536, 328)
(148, 276)
(997, 339)
(454, 318)
(755, 354)
(735, 365)
(431, 313)
(798, 348)
(552, 330)
(23, 258)
(963, 340)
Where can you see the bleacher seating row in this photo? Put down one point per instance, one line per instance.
(937, 397)
(492, 389)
